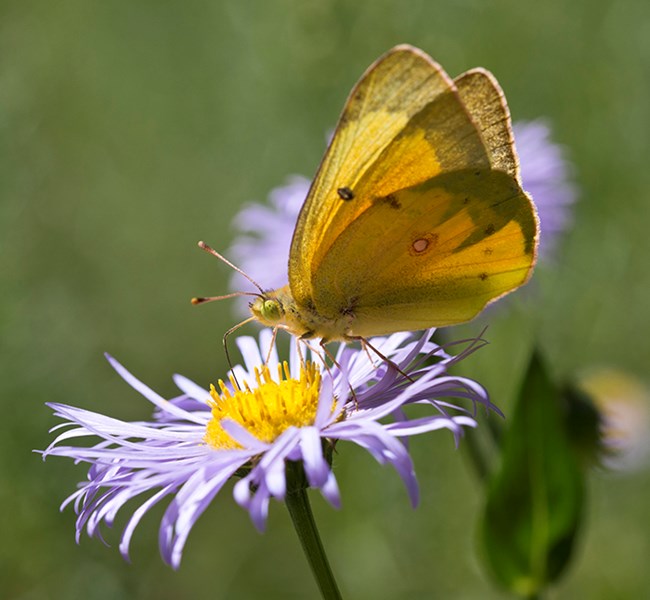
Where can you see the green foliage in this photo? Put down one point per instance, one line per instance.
(535, 501)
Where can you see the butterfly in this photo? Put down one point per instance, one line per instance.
(416, 217)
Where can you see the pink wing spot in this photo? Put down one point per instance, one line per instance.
(423, 242)
(420, 245)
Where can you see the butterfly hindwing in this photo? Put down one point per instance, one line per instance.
(486, 103)
(435, 255)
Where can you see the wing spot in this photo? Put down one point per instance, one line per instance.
(345, 193)
(483, 276)
(423, 243)
(488, 251)
(390, 200)
(490, 229)
(420, 245)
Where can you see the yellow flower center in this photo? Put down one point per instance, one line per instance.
(266, 410)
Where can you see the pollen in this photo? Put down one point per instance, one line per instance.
(266, 410)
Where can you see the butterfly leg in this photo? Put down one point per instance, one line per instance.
(329, 354)
(326, 366)
(225, 344)
(303, 338)
(365, 344)
(338, 366)
(320, 355)
(274, 336)
(309, 335)
(325, 352)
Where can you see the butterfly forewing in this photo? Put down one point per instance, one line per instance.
(394, 89)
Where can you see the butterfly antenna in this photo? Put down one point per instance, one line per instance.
(212, 251)
(204, 299)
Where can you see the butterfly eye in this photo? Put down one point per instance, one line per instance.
(268, 310)
(272, 310)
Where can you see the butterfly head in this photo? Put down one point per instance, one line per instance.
(268, 309)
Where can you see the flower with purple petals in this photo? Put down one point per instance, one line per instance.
(270, 415)
(547, 176)
(261, 249)
(265, 232)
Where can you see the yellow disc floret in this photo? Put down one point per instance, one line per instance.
(268, 409)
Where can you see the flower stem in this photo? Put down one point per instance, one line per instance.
(303, 521)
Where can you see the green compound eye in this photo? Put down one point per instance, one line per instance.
(271, 310)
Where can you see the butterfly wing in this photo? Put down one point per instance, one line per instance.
(435, 224)
(434, 255)
(483, 98)
(396, 90)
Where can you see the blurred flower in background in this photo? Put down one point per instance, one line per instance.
(623, 402)
(271, 412)
(546, 175)
(265, 230)
(264, 235)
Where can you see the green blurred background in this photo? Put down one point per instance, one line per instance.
(130, 130)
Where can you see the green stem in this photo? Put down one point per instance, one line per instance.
(303, 521)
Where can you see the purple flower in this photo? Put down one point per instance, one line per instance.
(547, 176)
(262, 248)
(248, 428)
